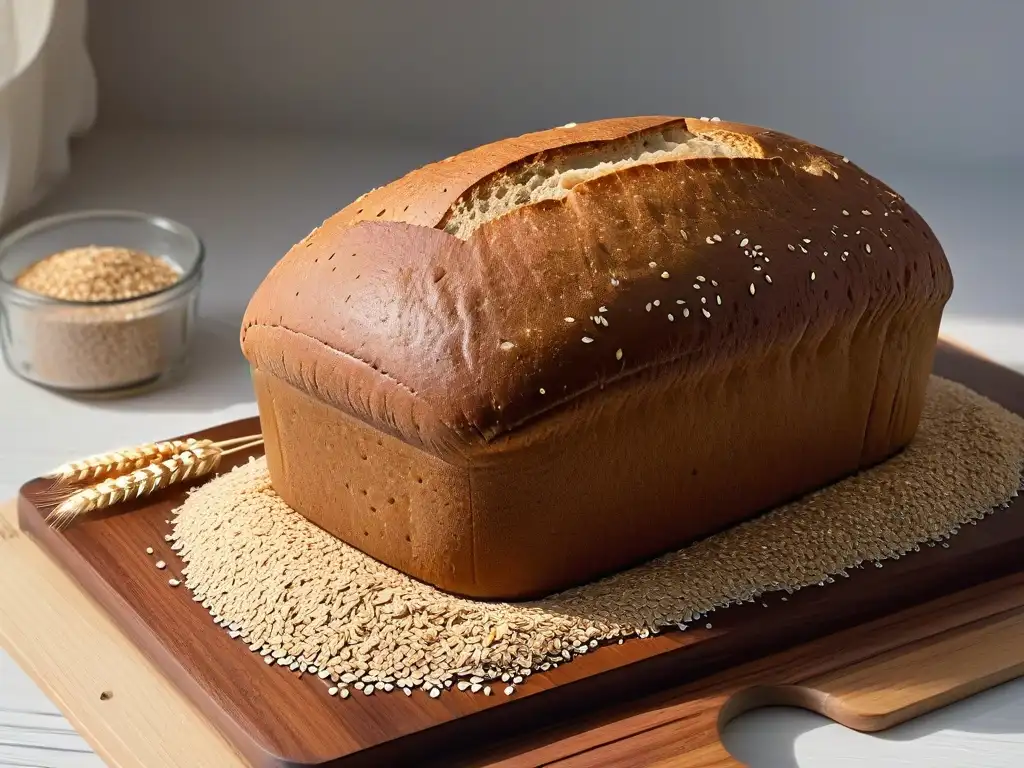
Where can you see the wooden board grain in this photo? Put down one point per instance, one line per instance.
(276, 719)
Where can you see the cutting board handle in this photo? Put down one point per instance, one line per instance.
(879, 692)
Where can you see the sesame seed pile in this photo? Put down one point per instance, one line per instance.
(306, 601)
(95, 346)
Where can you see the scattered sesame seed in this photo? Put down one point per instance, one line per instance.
(507, 345)
(614, 281)
(542, 391)
(846, 159)
(602, 309)
(757, 267)
(509, 690)
(867, 247)
(173, 582)
(845, 212)
(671, 318)
(648, 307)
(768, 279)
(716, 119)
(680, 301)
(149, 550)
(332, 691)
(714, 283)
(709, 240)
(744, 242)
(167, 537)
(570, 319)
(435, 692)
(696, 286)
(652, 264)
(737, 231)
(618, 354)
(703, 299)
(686, 312)
(487, 690)
(790, 247)
(161, 564)
(752, 289)
(812, 276)
(706, 313)
(802, 249)
(708, 625)
(719, 300)
(717, 238)
(657, 302)
(807, 239)
(866, 212)
(664, 275)
(344, 693)
(587, 340)
(701, 278)
(757, 247)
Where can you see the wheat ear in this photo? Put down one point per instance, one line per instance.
(120, 462)
(195, 462)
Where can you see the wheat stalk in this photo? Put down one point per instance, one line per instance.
(119, 462)
(198, 459)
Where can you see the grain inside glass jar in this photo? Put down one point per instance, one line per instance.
(113, 332)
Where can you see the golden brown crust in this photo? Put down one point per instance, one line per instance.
(409, 308)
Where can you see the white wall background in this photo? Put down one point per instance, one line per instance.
(886, 80)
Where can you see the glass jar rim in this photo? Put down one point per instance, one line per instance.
(49, 222)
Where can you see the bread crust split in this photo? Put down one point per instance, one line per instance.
(554, 356)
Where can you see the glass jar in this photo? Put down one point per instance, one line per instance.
(104, 346)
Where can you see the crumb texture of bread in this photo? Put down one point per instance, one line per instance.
(554, 178)
(593, 344)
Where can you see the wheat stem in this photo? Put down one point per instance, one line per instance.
(245, 447)
(195, 462)
(254, 439)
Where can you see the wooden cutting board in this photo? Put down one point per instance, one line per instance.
(644, 702)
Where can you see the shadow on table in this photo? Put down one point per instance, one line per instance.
(767, 738)
(215, 378)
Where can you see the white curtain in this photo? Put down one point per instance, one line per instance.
(47, 95)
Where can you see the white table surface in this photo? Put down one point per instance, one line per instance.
(251, 198)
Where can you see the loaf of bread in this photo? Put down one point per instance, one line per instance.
(558, 355)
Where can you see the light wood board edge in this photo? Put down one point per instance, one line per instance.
(894, 687)
(70, 648)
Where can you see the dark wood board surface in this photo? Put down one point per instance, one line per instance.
(276, 719)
